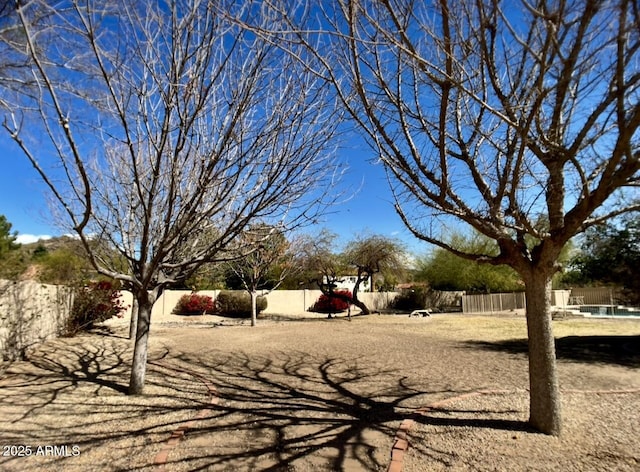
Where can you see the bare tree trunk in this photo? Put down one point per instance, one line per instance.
(133, 323)
(341, 296)
(545, 409)
(364, 310)
(254, 309)
(138, 367)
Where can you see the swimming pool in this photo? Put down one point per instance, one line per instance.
(609, 310)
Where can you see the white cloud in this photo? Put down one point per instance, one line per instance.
(31, 238)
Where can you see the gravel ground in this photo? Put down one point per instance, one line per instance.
(323, 395)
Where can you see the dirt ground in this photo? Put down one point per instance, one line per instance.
(323, 395)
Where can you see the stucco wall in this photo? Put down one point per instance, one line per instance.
(30, 312)
(282, 302)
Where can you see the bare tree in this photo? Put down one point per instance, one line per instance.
(13, 65)
(517, 119)
(365, 256)
(371, 255)
(158, 126)
(267, 264)
(323, 267)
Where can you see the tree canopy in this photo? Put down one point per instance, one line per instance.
(264, 266)
(375, 254)
(7, 238)
(610, 254)
(444, 270)
(164, 132)
(12, 262)
(495, 116)
(323, 265)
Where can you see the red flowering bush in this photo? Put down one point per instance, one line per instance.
(194, 304)
(94, 303)
(327, 304)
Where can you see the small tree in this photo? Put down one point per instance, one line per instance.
(265, 266)
(12, 263)
(7, 238)
(322, 267)
(367, 256)
(371, 255)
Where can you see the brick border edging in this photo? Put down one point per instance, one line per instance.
(176, 436)
(401, 440)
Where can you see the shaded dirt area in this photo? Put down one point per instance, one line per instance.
(324, 395)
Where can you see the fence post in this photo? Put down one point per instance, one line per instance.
(611, 301)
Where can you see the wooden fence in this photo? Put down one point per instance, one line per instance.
(596, 296)
(493, 302)
(500, 302)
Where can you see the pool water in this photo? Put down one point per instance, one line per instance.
(608, 310)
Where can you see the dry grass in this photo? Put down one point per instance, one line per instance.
(327, 395)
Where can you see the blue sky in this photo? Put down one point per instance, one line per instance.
(369, 208)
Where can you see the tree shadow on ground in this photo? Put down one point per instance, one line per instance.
(107, 331)
(452, 417)
(277, 411)
(72, 391)
(618, 350)
(280, 411)
(313, 412)
(458, 425)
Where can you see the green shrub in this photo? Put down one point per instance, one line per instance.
(94, 303)
(194, 304)
(411, 299)
(237, 304)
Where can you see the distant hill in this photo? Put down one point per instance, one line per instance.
(53, 244)
(57, 260)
